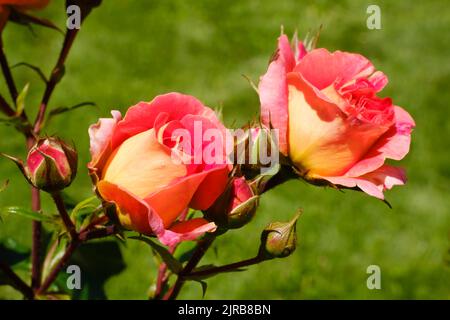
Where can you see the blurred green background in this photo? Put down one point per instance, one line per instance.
(128, 51)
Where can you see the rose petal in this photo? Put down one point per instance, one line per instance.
(187, 230)
(142, 116)
(373, 183)
(133, 213)
(322, 68)
(100, 135)
(394, 144)
(273, 92)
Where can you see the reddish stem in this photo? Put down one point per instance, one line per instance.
(36, 232)
(73, 245)
(57, 198)
(7, 73)
(54, 273)
(162, 278)
(55, 76)
(5, 108)
(202, 247)
(227, 267)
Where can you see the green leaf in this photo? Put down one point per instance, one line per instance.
(185, 251)
(54, 255)
(173, 264)
(20, 101)
(87, 203)
(64, 109)
(32, 67)
(84, 211)
(27, 214)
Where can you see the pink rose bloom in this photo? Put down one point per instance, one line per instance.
(331, 122)
(133, 166)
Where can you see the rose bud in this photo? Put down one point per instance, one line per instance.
(51, 164)
(257, 151)
(235, 207)
(332, 124)
(243, 204)
(279, 239)
(147, 166)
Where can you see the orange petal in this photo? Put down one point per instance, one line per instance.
(141, 165)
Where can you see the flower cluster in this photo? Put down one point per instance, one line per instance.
(169, 169)
(332, 129)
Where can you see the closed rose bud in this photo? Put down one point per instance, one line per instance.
(235, 207)
(51, 165)
(279, 239)
(257, 151)
(243, 204)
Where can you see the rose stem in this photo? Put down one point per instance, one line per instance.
(36, 232)
(54, 273)
(82, 237)
(35, 196)
(202, 247)
(36, 235)
(20, 284)
(55, 76)
(5, 108)
(227, 267)
(59, 202)
(7, 73)
(50, 86)
(162, 276)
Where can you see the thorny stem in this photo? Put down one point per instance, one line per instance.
(162, 278)
(202, 246)
(35, 196)
(31, 133)
(36, 246)
(227, 267)
(36, 233)
(160, 281)
(55, 76)
(7, 74)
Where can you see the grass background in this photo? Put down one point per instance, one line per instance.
(128, 51)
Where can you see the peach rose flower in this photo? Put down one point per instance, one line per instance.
(133, 166)
(331, 122)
